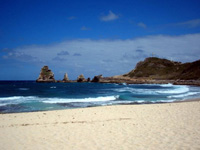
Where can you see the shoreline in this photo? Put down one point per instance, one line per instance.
(120, 80)
(131, 81)
(161, 126)
(178, 101)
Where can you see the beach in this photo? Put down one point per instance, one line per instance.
(149, 126)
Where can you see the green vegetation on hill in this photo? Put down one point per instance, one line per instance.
(156, 68)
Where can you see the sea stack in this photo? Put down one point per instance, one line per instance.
(81, 78)
(66, 78)
(46, 75)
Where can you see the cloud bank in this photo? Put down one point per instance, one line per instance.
(107, 57)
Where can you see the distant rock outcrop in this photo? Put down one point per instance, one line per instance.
(66, 78)
(46, 75)
(81, 78)
(88, 79)
(97, 78)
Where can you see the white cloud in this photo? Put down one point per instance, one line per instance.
(110, 17)
(142, 25)
(190, 24)
(99, 56)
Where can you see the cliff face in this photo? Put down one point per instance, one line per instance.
(163, 69)
(46, 75)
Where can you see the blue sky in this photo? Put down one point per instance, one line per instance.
(94, 37)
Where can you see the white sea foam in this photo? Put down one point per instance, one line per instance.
(183, 95)
(123, 89)
(4, 104)
(140, 101)
(53, 87)
(14, 98)
(136, 91)
(81, 100)
(167, 85)
(177, 90)
(21, 99)
(172, 91)
(166, 101)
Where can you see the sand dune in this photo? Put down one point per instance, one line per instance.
(156, 126)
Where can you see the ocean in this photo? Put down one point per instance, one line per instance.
(29, 96)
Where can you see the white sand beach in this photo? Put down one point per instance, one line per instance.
(133, 127)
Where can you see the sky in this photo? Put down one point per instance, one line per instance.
(94, 37)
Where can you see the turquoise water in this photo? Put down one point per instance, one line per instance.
(29, 96)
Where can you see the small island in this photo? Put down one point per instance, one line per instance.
(152, 70)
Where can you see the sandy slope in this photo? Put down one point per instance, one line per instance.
(157, 126)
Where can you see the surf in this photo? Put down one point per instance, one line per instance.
(80, 100)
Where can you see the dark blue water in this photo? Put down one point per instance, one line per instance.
(29, 96)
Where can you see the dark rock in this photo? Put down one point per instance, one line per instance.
(81, 78)
(46, 75)
(97, 78)
(88, 79)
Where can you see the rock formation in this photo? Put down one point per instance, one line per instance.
(46, 75)
(88, 79)
(81, 78)
(66, 78)
(97, 78)
(150, 71)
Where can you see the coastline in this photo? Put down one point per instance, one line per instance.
(148, 126)
(152, 70)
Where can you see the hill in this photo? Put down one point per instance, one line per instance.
(163, 69)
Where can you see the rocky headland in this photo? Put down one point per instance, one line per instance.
(159, 71)
(152, 70)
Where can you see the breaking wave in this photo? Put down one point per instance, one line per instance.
(29, 96)
(16, 100)
(167, 85)
(24, 99)
(170, 89)
(183, 95)
(81, 100)
(175, 90)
